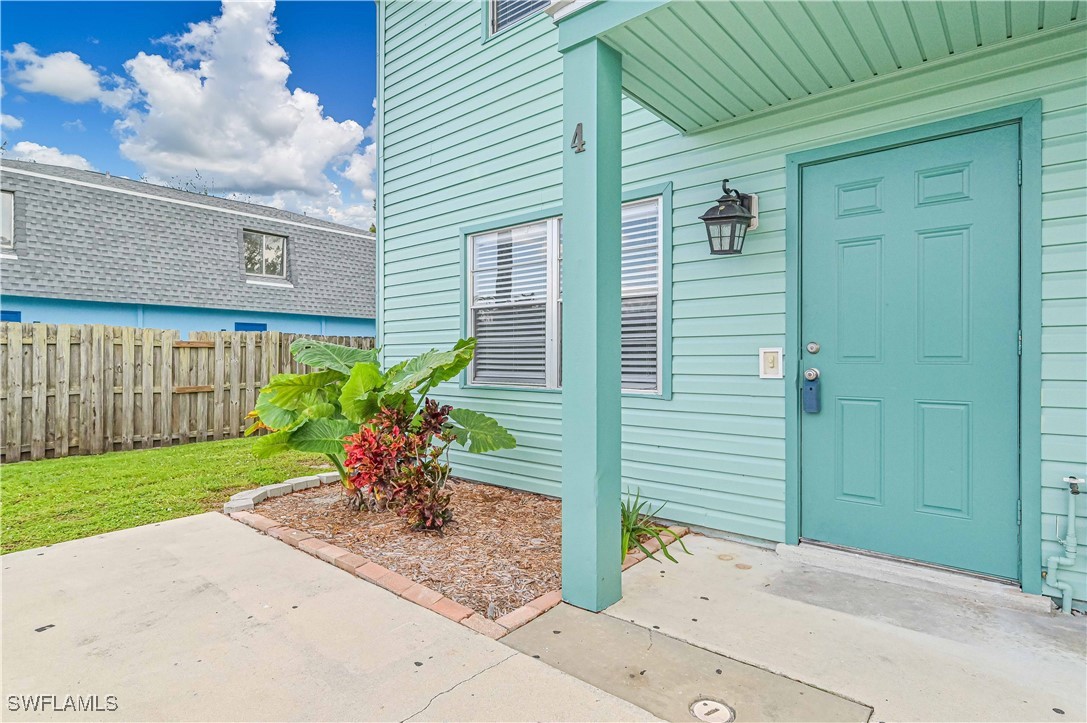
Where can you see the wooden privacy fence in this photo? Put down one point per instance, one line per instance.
(67, 390)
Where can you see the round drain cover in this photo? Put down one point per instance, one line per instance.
(712, 711)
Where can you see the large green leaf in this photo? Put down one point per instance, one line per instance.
(274, 416)
(432, 367)
(289, 391)
(323, 355)
(325, 436)
(271, 444)
(463, 352)
(319, 410)
(358, 400)
(478, 432)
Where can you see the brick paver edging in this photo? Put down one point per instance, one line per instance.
(239, 508)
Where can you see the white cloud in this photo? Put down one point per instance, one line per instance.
(217, 104)
(231, 75)
(360, 171)
(27, 151)
(10, 122)
(73, 125)
(63, 75)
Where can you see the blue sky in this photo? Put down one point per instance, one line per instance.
(164, 89)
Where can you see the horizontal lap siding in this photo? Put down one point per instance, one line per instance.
(715, 451)
(471, 133)
(1064, 319)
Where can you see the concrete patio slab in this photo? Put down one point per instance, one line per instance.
(202, 618)
(665, 675)
(913, 654)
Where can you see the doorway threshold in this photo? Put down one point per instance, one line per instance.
(912, 573)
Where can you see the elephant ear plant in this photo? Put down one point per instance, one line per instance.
(387, 439)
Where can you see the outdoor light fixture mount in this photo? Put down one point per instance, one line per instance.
(729, 220)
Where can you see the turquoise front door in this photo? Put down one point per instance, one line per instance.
(910, 289)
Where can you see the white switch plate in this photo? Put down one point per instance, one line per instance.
(770, 364)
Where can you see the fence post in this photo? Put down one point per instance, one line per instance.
(201, 397)
(220, 379)
(128, 382)
(95, 385)
(236, 414)
(166, 398)
(39, 352)
(147, 395)
(109, 388)
(250, 369)
(13, 334)
(63, 377)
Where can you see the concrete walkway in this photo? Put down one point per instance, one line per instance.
(204, 619)
(667, 676)
(913, 654)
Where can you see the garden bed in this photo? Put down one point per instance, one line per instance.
(502, 550)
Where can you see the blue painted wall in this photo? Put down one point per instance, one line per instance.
(183, 318)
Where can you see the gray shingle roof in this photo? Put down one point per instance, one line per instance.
(89, 236)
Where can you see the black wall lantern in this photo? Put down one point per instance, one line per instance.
(728, 221)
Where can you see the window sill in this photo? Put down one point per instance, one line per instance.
(631, 394)
(8, 256)
(277, 284)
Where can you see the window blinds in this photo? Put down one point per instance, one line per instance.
(505, 13)
(512, 304)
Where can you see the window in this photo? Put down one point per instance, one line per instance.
(7, 219)
(11, 315)
(506, 13)
(265, 254)
(510, 314)
(249, 326)
(516, 302)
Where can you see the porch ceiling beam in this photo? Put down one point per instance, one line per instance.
(599, 17)
(591, 418)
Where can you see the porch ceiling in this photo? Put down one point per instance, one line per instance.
(700, 64)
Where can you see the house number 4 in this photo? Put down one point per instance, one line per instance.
(578, 144)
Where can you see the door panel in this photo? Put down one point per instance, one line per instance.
(910, 285)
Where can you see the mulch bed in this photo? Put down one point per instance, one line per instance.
(502, 550)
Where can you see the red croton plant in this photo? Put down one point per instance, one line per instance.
(396, 463)
(386, 437)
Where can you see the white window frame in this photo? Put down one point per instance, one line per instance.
(552, 304)
(7, 207)
(551, 226)
(263, 242)
(492, 11)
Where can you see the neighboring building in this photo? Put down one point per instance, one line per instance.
(920, 173)
(81, 247)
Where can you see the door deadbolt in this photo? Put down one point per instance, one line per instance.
(813, 347)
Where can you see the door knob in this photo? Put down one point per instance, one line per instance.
(811, 374)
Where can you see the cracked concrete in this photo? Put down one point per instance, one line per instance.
(470, 678)
(202, 618)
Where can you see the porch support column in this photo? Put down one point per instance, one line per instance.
(592, 197)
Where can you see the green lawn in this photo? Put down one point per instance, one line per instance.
(54, 500)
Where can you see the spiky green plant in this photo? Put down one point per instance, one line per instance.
(638, 524)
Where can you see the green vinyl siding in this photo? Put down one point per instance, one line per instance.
(472, 135)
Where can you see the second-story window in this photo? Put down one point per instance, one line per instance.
(505, 13)
(7, 220)
(265, 254)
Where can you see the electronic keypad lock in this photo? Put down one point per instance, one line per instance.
(809, 391)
